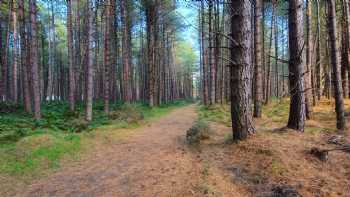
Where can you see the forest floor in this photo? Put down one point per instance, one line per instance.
(155, 160)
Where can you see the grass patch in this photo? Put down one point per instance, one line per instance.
(277, 167)
(35, 153)
(30, 148)
(277, 110)
(215, 113)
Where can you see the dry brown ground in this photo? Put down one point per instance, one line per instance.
(153, 162)
(279, 157)
(156, 161)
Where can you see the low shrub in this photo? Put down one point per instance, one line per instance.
(127, 113)
(199, 131)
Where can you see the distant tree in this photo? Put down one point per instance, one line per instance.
(14, 81)
(269, 63)
(89, 69)
(126, 48)
(70, 56)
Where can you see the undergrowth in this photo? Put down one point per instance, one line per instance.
(215, 113)
(28, 147)
(277, 111)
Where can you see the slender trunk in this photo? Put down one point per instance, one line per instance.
(344, 54)
(70, 56)
(345, 47)
(14, 88)
(126, 49)
(107, 54)
(151, 22)
(210, 55)
(50, 81)
(269, 64)
(205, 62)
(318, 69)
(338, 90)
(89, 76)
(24, 57)
(4, 69)
(34, 58)
(276, 59)
(258, 93)
(307, 81)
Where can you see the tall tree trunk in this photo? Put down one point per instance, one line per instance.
(107, 54)
(258, 92)
(296, 66)
(338, 90)
(34, 58)
(14, 88)
(70, 56)
(318, 69)
(269, 64)
(308, 90)
(276, 59)
(204, 60)
(4, 69)
(25, 55)
(210, 55)
(345, 47)
(126, 44)
(89, 69)
(151, 23)
(263, 53)
(52, 47)
(240, 52)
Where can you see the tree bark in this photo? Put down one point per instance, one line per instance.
(258, 92)
(126, 44)
(89, 69)
(345, 62)
(34, 59)
(71, 96)
(307, 81)
(25, 55)
(269, 64)
(240, 65)
(296, 66)
(151, 22)
(338, 90)
(318, 69)
(14, 88)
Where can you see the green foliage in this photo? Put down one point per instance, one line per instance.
(186, 57)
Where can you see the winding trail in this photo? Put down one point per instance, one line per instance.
(153, 162)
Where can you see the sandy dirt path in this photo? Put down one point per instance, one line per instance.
(154, 162)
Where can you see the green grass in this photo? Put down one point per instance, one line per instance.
(215, 113)
(38, 152)
(277, 110)
(30, 148)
